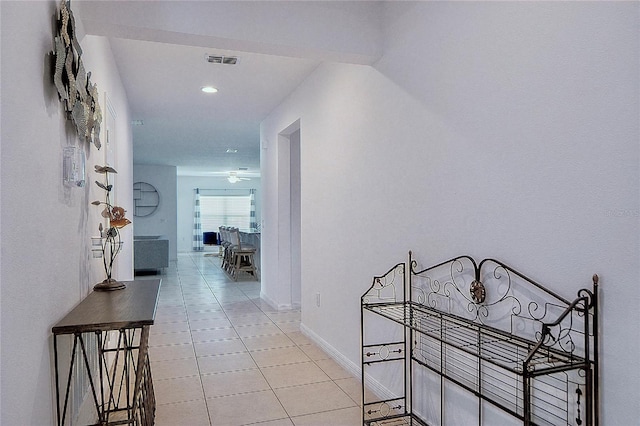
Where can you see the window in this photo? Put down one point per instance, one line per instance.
(225, 210)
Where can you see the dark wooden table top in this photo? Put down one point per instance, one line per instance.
(134, 306)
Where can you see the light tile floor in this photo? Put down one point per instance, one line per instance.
(221, 356)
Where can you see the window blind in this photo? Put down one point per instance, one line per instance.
(225, 210)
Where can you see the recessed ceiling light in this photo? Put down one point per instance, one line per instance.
(209, 89)
(232, 151)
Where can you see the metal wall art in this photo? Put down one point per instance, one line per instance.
(111, 241)
(75, 90)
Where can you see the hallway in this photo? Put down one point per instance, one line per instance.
(221, 356)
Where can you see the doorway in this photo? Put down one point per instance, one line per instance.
(289, 228)
(296, 268)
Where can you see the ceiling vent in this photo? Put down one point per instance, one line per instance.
(219, 59)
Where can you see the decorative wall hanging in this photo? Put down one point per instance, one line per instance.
(110, 238)
(145, 199)
(75, 90)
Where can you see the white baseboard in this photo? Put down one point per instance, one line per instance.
(273, 304)
(338, 357)
(372, 384)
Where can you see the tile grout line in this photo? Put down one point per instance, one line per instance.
(296, 345)
(204, 396)
(254, 360)
(248, 294)
(260, 369)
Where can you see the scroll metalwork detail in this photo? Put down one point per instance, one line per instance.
(499, 296)
(385, 288)
(383, 352)
(478, 292)
(384, 409)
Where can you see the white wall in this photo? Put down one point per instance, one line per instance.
(163, 221)
(186, 198)
(505, 130)
(342, 31)
(45, 227)
(99, 60)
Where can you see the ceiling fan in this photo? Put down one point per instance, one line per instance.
(233, 177)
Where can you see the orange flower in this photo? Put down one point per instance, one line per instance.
(117, 212)
(120, 223)
(117, 219)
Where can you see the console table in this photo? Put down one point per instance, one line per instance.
(108, 357)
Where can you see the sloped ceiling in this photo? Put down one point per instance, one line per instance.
(160, 48)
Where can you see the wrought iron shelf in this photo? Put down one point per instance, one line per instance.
(492, 345)
(507, 341)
